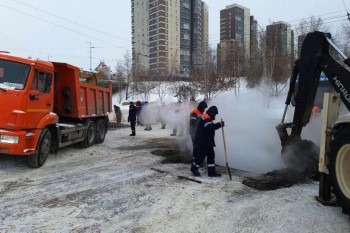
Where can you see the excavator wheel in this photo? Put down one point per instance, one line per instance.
(339, 167)
(301, 155)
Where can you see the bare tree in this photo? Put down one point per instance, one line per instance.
(345, 41)
(276, 62)
(145, 85)
(182, 91)
(163, 83)
(162, 89)
(124, 70)
(257, 62)
(209, 81)
(121, 83)
(310, 25)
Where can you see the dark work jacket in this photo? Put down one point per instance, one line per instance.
(206, 131)
(195, 118)
(132, 113)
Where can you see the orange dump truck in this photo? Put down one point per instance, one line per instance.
(45, 106)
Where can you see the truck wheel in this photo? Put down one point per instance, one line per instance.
(90, 135)
(339, 167)
(101, 131)
(42, 150)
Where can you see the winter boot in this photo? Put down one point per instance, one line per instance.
(174, 132)
(215, 174)
(133, 133)
(194, 170)
(212, 172)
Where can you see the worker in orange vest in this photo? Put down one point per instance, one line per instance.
(195, 117)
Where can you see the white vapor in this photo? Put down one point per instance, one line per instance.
(251, 138)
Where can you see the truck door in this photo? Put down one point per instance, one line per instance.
(40, 99)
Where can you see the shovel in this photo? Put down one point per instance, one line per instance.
(223, 137)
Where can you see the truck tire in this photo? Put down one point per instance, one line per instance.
(339, 167)
(90, 135)
(101, 131)
(42, 150)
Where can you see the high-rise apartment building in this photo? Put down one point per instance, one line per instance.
(279, 54)
(235, 25)
(301, 39)
(140, 32)
(185, 33)
(238, 39)
(280, 38)
(279, 35)
(168, 35)
(254, 46)
(205, 32)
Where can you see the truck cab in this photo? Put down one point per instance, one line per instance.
(44, 106)
(26, 103)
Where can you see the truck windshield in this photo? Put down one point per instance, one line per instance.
(13, 75)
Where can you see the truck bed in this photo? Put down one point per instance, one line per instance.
(76, 99)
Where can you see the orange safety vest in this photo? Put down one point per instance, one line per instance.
(197, 112)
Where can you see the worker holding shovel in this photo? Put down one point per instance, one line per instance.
(205, 140)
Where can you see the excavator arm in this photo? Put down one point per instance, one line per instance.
(314, 59)
(303, 155)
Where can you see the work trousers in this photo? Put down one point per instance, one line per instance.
(195, 151)
(195, 148)
(132, 125)
(204, 151)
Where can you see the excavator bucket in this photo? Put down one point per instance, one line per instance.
(296, 153)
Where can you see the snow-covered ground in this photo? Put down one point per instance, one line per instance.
(120, 186)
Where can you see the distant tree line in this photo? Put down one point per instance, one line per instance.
(269, 66)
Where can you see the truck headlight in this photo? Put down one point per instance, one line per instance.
(9, 139)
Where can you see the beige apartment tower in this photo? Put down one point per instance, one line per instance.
(235, 25)
(169, 36)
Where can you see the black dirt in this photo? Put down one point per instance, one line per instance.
(170, 150)
(301, 159)
(189, 179)
(174, 155)
(276, 179)
(179, 177)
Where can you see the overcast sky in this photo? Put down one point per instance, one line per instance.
(62, 30)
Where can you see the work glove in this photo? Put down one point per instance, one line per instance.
(222, 123)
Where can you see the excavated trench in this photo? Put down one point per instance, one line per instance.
(174, 155)
(171, 152)
(276, 179)
(167, 148)
(301, 160)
